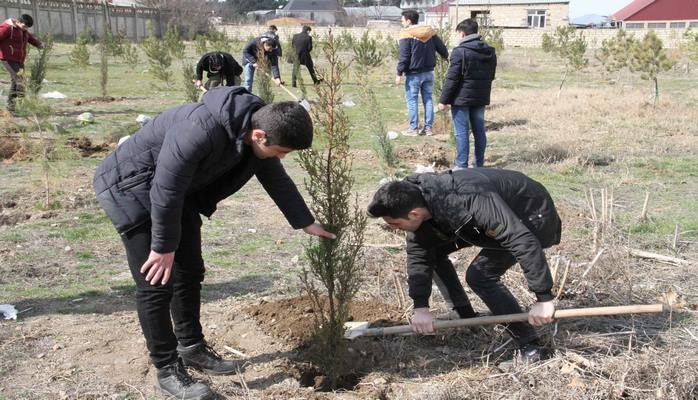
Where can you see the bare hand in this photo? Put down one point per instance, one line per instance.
(422, 321)
(397, 80)
(278, 81)
(541, 313)
(158, 267)
(317, 230)
(441, 107)
(198, 83)
(254, 65)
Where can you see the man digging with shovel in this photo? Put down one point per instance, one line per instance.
(154, 188)
(508, 215)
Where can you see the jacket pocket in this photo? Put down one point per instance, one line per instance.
(130, 183)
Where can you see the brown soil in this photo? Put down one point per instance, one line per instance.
(9, 146)
(97, 99)
(439, 154)
(84, 145)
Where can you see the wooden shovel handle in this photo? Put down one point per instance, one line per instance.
(501, 319)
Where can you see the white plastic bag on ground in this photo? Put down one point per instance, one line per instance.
(54, 95)
(392, 135)
(425, 168)
(143, 119)
(9, 311)
(86, 118)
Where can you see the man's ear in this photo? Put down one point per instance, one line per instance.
(417, 213)
(258, 136)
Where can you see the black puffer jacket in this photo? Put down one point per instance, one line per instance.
(470, 73)
(488, 208)
(195, 153)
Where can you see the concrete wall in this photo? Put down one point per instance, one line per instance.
(513, 16)
(65, 19)
(513, 37)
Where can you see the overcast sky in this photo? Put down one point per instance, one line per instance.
(600, 7)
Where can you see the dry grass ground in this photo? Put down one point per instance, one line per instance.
(77, 336)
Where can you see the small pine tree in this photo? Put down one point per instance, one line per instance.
(264, 79)
(115, 42)
(383, 147)
(174, 42)
(200, 44)
(191, 92)
(690, 46)
(440, 71)
(104, 46)
(392, 47)
(39, 64)
(570, 47)
(367, 53)
(159, 58)
(130, 55)
(649, 58)
(615, 52)
(334, 263)
(491, 35)
(80, 54)
(218, 40)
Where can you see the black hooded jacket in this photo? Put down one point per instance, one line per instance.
(470, 73)
(194, 154)
(229, 69)
(485, 207)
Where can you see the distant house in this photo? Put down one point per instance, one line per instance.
(381, 13)
(659, 14)
(546, 14)
(326, 12)
(437, 16)
(594, 21)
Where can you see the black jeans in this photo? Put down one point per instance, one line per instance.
(484, 278)
(178, 301)
(16, 82)
(297, 70)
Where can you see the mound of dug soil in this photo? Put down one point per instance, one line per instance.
(428, 153)
(292, 318)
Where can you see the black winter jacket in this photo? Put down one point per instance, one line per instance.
(470, 73)
(303, 45)
(249, 56)
(230, 68)
(193, 153)
(488, 208)
(418, 47)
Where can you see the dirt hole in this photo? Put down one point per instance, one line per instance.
(310, 376)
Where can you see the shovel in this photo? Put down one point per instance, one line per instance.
(304, 103)
(358, 329)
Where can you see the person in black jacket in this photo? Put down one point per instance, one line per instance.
(155, 185)
(221, 69)
(418, 47)
(467, 89)
(266, 44)
(302, 45)
(273, 31)
(511, 217)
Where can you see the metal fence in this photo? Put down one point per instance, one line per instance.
(66, 19)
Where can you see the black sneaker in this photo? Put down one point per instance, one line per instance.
(175, 381)
(203, 358)
(530, 353)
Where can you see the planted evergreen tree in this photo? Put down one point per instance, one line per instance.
(175, 44)
(690, 46)
(440, 71)
(334, 263)
(569, 46)
(191, 92)
(383, 146)
(649, 58)
(104, 46)
(130, 55)
(615, 52)
(39, 64)
(80, 54)
(264, 80)
(218, 40)
(367, 52)
(159, 58)
(200, 44)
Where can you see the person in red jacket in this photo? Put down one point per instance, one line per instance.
(13, 50)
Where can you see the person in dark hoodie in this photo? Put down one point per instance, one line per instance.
(14, 36)
(154, 187)
(418, 47)
(467, 89)
(221, 69)
(511, 217)
(267, 44)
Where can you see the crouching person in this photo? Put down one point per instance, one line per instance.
(155, 186)
(508, 215)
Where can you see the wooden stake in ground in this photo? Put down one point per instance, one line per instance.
(643, 215)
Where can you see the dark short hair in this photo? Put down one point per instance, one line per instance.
(216, 61)
(467, 26)
(306, 28)
(273, 28)
(286, 124)
(411, 15)
(27, 20)
(395, 200)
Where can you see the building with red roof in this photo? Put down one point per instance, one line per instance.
(659, 14)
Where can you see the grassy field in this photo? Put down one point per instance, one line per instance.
(77, 336)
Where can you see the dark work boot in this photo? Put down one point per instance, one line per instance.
(202, 357)
(174, 380)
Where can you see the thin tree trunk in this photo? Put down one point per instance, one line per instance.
(564, 78)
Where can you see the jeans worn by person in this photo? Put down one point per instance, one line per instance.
(414, 85)
(463, 119)
(248, 72)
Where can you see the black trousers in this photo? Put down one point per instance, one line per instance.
(484, 278)
(169, 313)
(16, 82)
(297, 70)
